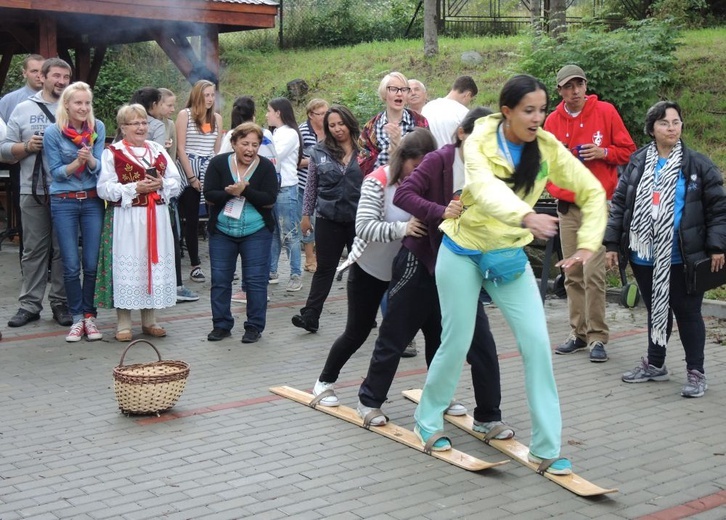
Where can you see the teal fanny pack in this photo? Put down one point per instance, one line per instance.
(502, 266)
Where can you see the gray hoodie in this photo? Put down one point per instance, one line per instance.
(26, 119)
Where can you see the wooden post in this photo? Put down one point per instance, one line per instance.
(5, 66)
(210, 51)
(47, 36)
(98, 54)
(83, 62)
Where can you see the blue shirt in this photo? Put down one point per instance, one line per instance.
(679, 204)
(59, 152)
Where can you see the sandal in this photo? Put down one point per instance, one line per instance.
(311, 267)
(154, 331)
(436, 441)
(556, 466)
(124, 335)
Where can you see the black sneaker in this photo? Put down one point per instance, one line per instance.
(572, 345)
(306, 321)
(62, 315)
(251, 335)
(23, 317)
(218, 334)
(597, 352)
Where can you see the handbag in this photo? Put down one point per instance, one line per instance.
(702, 279)
(502, 266)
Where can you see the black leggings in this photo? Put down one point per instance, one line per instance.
(413, 305)
(364, 298)
(686, 307)
(330, 239)
(189, 211)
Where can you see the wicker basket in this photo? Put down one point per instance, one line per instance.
(149, 388)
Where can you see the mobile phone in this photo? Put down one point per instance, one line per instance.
(151, 172)
(39, 132)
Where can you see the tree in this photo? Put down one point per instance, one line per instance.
(431, 31)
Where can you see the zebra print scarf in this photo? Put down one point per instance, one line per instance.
(651, 233)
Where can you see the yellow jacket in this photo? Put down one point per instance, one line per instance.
(494, 213)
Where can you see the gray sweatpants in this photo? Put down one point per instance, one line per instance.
(38, 238)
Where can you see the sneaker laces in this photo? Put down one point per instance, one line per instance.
(77, 329)
(695, 378)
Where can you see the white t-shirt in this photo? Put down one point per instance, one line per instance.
(444, 116)
(287, 146)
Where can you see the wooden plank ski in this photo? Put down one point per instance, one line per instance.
(519, 451)
(390, 430)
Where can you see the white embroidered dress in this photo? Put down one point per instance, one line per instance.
(130, 241)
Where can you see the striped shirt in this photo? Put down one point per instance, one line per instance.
(379, 227)
(199, 143)
(309, 140)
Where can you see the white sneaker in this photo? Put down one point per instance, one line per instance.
(92, 332)
(378, 420)
(320, 387)
(76, 332)
(456, 408)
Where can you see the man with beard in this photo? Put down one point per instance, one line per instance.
(24, 143)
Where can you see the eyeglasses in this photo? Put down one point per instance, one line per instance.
(398, 90)
(667, 124)
(137, 124)
(318, 114)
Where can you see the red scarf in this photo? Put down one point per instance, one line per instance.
(85, 137)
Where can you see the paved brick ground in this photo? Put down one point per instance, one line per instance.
(230, 449)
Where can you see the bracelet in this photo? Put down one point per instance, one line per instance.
(192, 178)
(26, 146)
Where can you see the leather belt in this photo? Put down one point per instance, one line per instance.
(78, 195)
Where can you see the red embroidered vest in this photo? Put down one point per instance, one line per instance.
(129, 171)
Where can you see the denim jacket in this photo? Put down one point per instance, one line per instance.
(59, 152)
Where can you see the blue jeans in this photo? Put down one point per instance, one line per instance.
(255, 252)
(287, 229)
(300, 200)
(70, 216)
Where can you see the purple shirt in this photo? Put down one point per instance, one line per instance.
(425, 193)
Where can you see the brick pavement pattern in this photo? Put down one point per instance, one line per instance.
(230, 449)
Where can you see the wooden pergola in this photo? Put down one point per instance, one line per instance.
(88, 27)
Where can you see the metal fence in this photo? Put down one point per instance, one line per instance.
(331, 23)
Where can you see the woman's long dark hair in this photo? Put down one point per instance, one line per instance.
(349, 120)
(414, 145)
(287, 115)
(147, 97)
(512, 93)
(467, 124)
(243, 110)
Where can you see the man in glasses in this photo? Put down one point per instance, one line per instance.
(24, 143)
(595, 133)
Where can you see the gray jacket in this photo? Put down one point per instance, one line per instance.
(27, 118)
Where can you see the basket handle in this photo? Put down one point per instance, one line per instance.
(121, 363)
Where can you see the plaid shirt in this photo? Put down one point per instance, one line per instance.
(375, 142)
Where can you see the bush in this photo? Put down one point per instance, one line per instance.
(629, 67)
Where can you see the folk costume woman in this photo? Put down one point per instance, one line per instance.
(138, 178)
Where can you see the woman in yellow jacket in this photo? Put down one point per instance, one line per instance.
(508, 160)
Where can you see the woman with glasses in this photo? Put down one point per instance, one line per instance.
(138, 178)
(668, 212)
(382, 134)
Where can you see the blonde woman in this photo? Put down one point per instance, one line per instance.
(72, 150)
(199, 135)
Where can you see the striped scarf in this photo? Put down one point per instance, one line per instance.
(651, 236)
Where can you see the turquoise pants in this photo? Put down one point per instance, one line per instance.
(458, 280)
